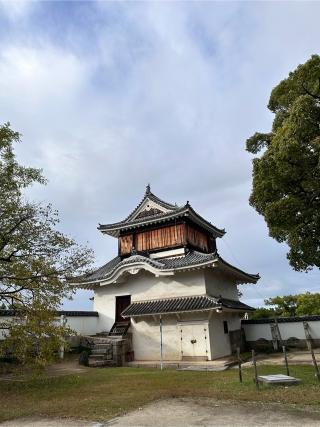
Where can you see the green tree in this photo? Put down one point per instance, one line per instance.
(283, 306)
(263, 313)
(36, 260)
(306, 304)
(286, 176)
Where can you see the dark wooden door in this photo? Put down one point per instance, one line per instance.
(122, 303)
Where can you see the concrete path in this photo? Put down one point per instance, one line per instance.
(294, 358)
(191, 412)
(205, 412)
(49, 422)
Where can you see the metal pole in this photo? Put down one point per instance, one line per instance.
(161, 354)
(285, 359)
(255, 369)
(239, 364)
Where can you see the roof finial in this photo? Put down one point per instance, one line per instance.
(148, 189)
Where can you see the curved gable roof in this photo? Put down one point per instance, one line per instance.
(157, 212)
(110, 272)
(149, 196)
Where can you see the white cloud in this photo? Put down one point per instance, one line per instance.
(168, 94)
(16, 9)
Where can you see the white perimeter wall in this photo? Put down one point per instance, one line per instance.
(288, 330)
(82, 325)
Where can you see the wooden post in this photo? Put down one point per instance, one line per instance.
(239, 364)
(63, 321)
(309, 344)
(278, 330)
(255, 369)
(161, 346)
(285, 359)
(274, 336)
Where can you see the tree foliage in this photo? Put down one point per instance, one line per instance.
(305, 304)
(286, 176)
(36, 260)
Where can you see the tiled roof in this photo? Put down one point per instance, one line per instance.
(235, 304)
(100, 272)
(182, 304)
(10, 313)
(150, 196)
(292, 319)
(191, 258)
(150, 212)
(170, 305)
(155, 216)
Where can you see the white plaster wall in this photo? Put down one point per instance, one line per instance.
(144, 286)
(82, 325)
(254, 332)
(234, 321)
(218, 283)
(219, 341)
(146, 337)
(287, 330)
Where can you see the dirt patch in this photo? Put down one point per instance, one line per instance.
(193, 412)
(68, 366)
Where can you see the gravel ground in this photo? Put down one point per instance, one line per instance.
(191, 412)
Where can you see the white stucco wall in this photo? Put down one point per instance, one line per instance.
(145, 331)
(288, 330)
(144, 286)
(146, 337)
(218, 283)
(219, 340)
(82, 325)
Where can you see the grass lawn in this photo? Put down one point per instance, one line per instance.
(101, 394)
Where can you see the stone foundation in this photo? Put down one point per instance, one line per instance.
(112, 350)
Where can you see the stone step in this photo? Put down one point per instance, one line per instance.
(100, 356)
(101, 363)
(102, 346)
(101, 351)
(98, 340)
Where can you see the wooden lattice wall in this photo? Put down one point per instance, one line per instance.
(171, 236)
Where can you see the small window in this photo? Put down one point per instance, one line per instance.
(225, 327)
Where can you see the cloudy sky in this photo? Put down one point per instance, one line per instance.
(110, 96)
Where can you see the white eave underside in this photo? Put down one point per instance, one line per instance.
(136, 267)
